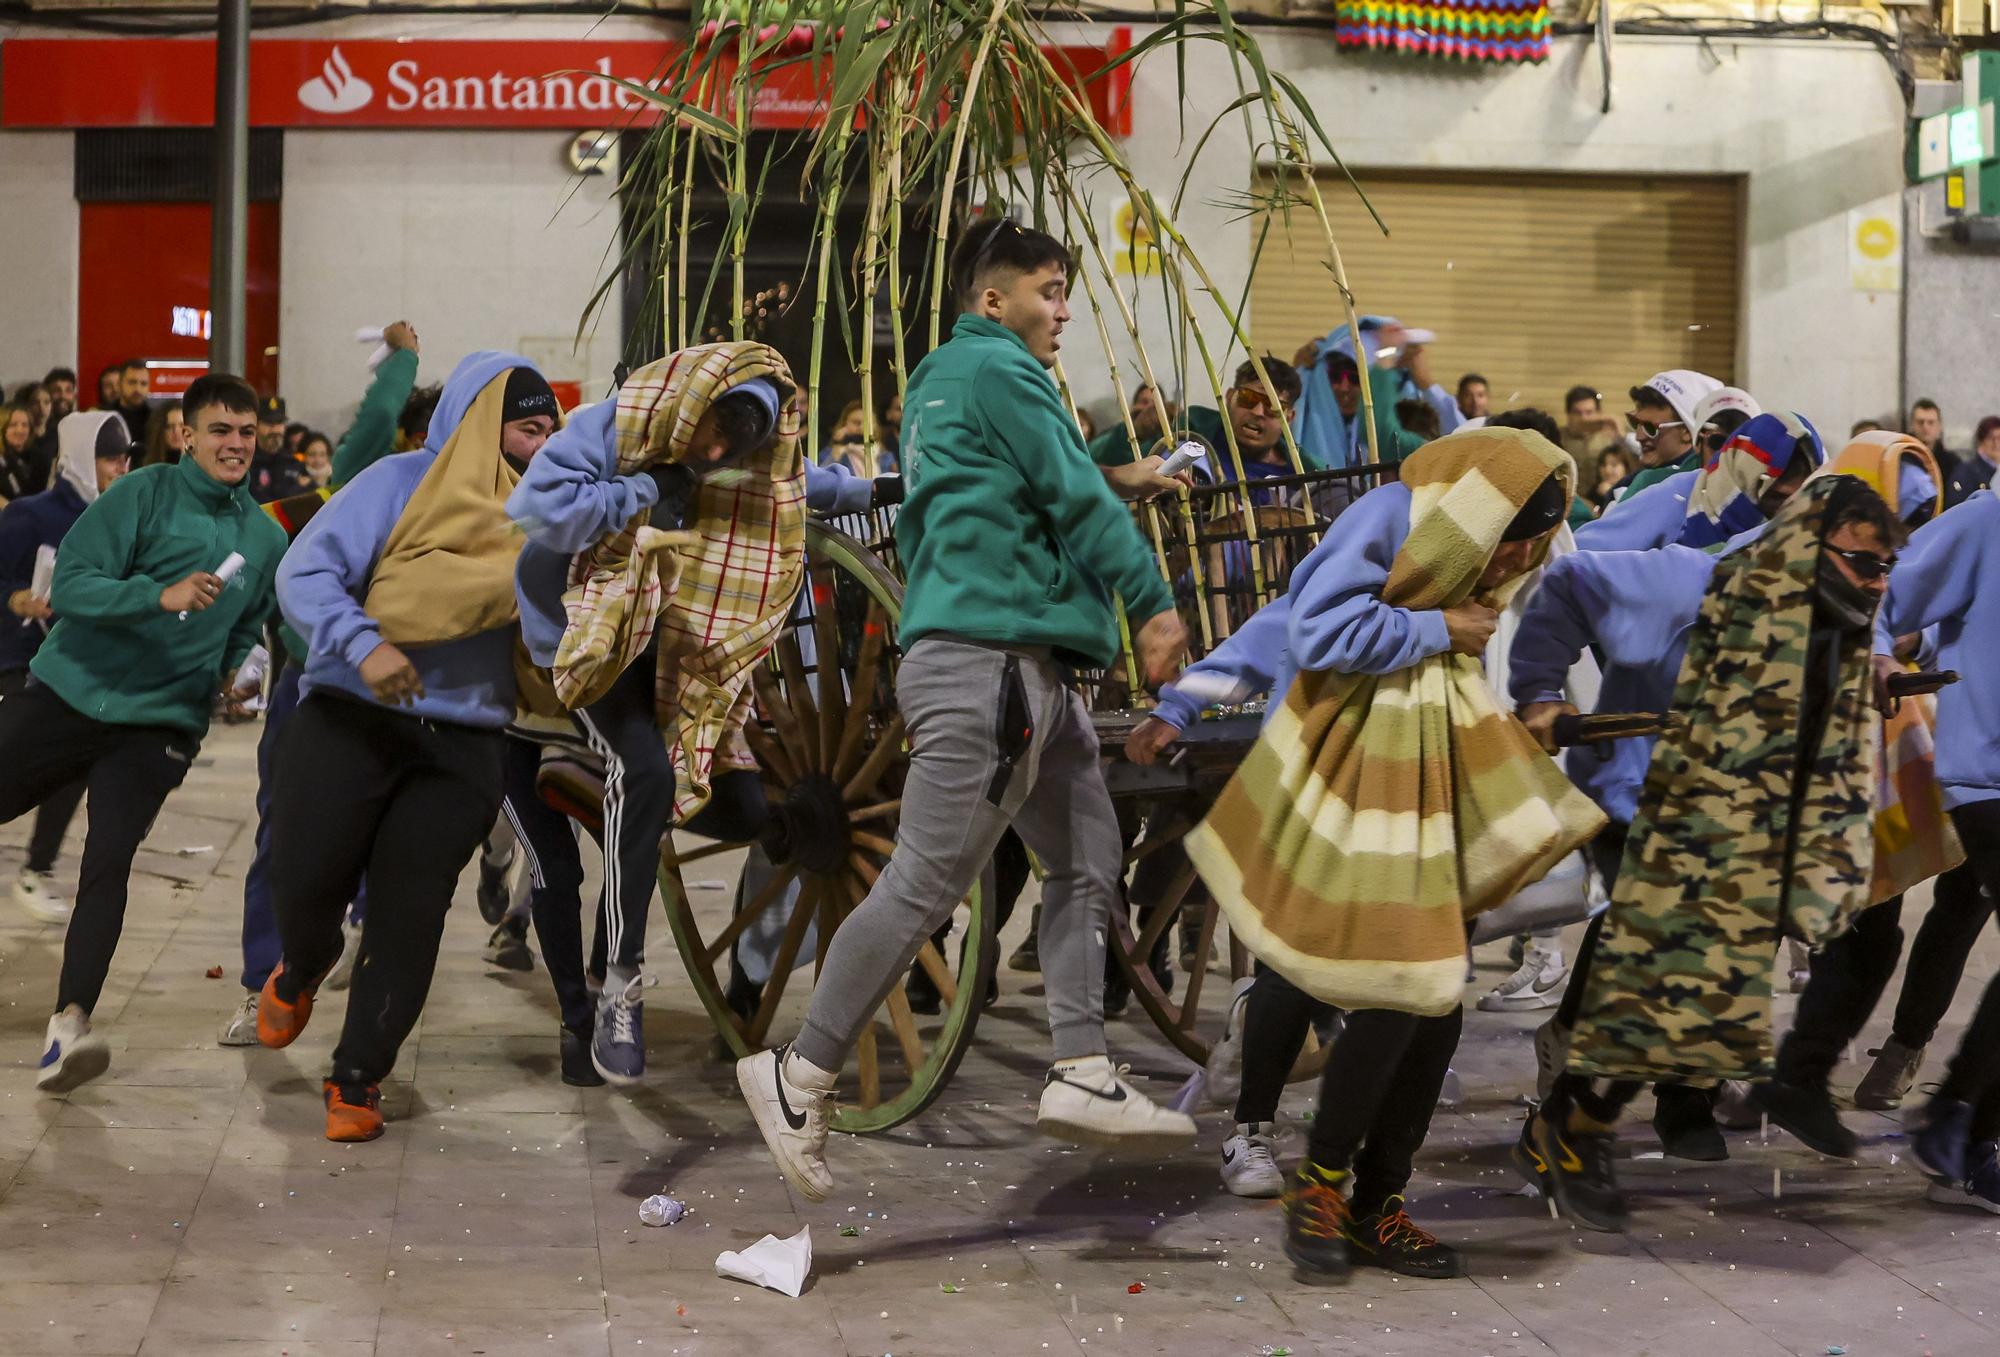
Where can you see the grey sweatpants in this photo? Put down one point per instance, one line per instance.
(957, 801)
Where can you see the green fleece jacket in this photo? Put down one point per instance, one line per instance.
(1008, 532)
(372, 435)
(114, 654)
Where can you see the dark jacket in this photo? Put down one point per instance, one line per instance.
(1966, 477)
(24, 474)
(26, 526)
(276, 476)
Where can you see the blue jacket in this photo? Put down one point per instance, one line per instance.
(573, 497)
(1652, 518)
(326, 574)
(1633, 609)
(1251, 657)
(1949, 576)
(27, 525)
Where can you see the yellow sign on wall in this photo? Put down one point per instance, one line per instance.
(1134, 252)
(1874, 251)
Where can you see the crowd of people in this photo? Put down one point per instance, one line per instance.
(1706, 612)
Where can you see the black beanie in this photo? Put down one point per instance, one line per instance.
(528, 395)
(1544, 510)
(114, 440)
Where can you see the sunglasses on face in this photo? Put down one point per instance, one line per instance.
(1253, 401)
(1343, 376)
(1646, 428)
(1867, 565)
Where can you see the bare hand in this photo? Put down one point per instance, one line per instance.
(1471, 627)
(1161, 644)
(1144, 745)
(1908, 646)
(391, 677)
(192, 594)
(402, 336)
(1389, 342)
(1307, 355)
(1540, 719)
(1886, 668)
(23, 603)
(1416, 360)
(1141, 480)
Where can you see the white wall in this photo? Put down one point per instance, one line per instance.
(475, 238)
(38, 241)
(1816, 128)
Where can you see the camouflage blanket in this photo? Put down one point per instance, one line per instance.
(1735, 845)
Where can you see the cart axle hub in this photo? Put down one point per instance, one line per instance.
(811, 827)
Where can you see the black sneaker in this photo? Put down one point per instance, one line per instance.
(1684, 1120)
(922, 993)
(1316, 1221)
(1581, 1177)
(1028, 956)
(577, 1071)
(508, 947)
(1528, 1161)
(1808, 1113)
(1389, 1239)
(494, 897)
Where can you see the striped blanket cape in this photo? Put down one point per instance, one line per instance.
(715, 593)
(1376, 813)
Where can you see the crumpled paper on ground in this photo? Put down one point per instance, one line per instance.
(780, 1264)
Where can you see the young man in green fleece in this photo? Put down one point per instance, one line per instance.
(1013, 545)
(149, 631)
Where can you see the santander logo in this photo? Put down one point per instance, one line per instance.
(336, 89)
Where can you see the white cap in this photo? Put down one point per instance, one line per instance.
(1720, 399)
(1684, 390)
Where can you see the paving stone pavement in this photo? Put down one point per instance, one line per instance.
(186, 1203)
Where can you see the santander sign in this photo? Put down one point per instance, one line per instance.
(336, 89)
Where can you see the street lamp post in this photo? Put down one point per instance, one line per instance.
(229, 247)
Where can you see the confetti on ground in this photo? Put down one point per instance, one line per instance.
(949, 1289)
(1135, 1288)
(850, 1231)
(213, 972)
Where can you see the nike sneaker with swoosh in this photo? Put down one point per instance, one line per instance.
(790, 1108)
(1088, 1102)
(1250, 1161)
(1538, 982)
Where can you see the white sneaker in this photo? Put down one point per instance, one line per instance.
(1537, 984)
(1225, 1058)
(790, 1106)
(1551, 1054)
(35, 892)
(342, 973)
(1250, 1161)
(240, 1027)
(1088, 1102)
(71, 1054)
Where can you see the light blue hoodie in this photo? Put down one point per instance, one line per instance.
(326, 574)
(1652, 518)
(1949, 576)
(1250, 657)
(573, 497)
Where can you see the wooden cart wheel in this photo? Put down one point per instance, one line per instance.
(1134, 932)
(831, 746)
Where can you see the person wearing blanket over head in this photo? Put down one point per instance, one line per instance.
(1350, 847)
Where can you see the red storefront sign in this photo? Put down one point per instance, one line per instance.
(373, 83)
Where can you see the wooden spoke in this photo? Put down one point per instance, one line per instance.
(1239, 957)
(864, 868)
(770, 752)
(869, 1067)
(934, 966)
(773, 890)
(866, 813)
(874, 843)
(888, 748)
(862, 700)
(905, 1024)
(781, 968)
(772, 702)
(832, 683)
(674, 858)
(1162, 913)
(799, 689)
(1191, 999)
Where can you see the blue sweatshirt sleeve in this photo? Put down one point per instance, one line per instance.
(833, 489)
(1338, 618)
(572, 496)
(1652, 518)
(1250, 657)
(1935, 574)
(324, 577)
(1630, 606)
(18, 541)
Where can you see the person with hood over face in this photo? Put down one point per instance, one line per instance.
(1327, 423)
(1753, 474)
(93, 451)
(150, 628)
(403, 589)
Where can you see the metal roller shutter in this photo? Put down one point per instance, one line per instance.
(1539, 282)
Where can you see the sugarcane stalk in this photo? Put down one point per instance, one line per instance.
(968, 102)
(739, 182)
(1300, 156)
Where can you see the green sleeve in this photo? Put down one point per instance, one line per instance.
(92, 568)
(1112, 447)
(372, 435)
(1035, 433)
(1580, 512)
(1385, 387)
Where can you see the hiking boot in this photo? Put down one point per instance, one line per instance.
(1941, 1139)
(789, 1106)
(1551, 1054)
(1581, 1177)
(618, 1043)
(1528, 1161)
(1224, 1071)
(1982, 1181)
(1088, 1102)
(35, 892)
(1684, 1120)
(1890, 1078)
(240, 1027)
(577, 1069)
(1537, 983)
(1316, 1221)
(353, 1111)
(279, 1022)
(1250, 1161)
(1808, 1113)
(72, 1054)
(1389, 1239)
(507, 948)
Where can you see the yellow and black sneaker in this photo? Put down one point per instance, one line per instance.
(1389, 1239)
(1316, 1220)
(1581, 1176)
(1528, 1161)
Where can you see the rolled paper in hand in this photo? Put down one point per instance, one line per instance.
(225, 572)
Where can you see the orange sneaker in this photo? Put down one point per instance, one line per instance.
(279, 1023)
(353, 1111)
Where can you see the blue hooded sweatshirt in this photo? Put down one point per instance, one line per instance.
(1325, 437)
(1250, 658)
(27, 525)
(326, 574)
(573, 496)
(1652, 518)
(1949, 576)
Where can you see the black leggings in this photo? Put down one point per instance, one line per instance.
(1959, 909)
(1376, 1097)
(1974, 1074)
(364, 789)
(1848, 977)
(57, 809)
(1276, 1017)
